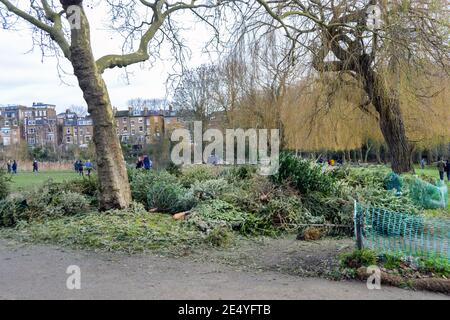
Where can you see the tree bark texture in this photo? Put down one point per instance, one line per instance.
(112, 174)
(391, 121)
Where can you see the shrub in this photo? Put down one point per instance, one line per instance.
(89, 188)
(174, 169)
(249, 195)
(4, 184)
(70, 203)
(195, 173)
(53, 201)
(12, 210)
(166, 194)
(385, 199)
(186, 201)
(358, 259)
(211, 214)
(427, 195)
(85, 186)
(260, 206)
(140, 182)
(220, 237)
(41, 202)
(160, 190)
(242, 172)
(271, 208)
(373, 176)
(48, 201)
(328, 208)
(438, 266)
(391, 261)
(368, 186)
(209, 189)
(304, 175)
(282, 212)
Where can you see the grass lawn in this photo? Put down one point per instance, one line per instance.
(431, 171)
(27, 180)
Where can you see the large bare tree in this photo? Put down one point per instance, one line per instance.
(63, 25)
(196, 96)
(371, 45)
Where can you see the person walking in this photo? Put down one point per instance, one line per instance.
(139, 163)
(89, 167)
(14, 167)
(80, 168)
(8, 165)
(75, 166)
(447, 169)
(35, 166)
(422, 163)
(147, 163)
(441, 168)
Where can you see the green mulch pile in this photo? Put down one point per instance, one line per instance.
(217, 205)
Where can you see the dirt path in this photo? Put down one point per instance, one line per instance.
(39, 272)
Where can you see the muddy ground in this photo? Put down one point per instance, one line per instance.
(286, 255)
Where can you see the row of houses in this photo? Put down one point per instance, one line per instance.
(36, 125)
(40, 125)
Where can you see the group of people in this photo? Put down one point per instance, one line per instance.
(444, 167)
(79, 167)
(12, 166)
(144, 162)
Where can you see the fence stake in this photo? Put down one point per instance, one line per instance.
(358, 231)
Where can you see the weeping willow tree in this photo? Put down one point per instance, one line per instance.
(424, 100)
(331, 117)
(342, 38)
(333, 120)
(323, 111)
(330, 110)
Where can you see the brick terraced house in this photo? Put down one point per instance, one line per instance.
(39, 125)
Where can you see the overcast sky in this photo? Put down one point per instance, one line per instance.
(25, 78)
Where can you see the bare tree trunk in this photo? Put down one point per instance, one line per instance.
(378, 153)
(366, 155)
(360, 155)
(430, 158)
(390, 118)
(392, 127)
(419, 155)
(112, 173)
(385, 154)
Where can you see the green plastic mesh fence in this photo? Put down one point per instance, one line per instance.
(427, 195)
(402, 233)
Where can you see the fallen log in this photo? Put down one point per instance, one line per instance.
(430, 284)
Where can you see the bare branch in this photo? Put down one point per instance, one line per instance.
(55, 32)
